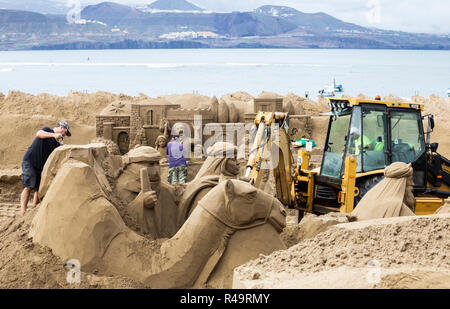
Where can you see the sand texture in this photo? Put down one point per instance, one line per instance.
(334, 258)
(130, 230)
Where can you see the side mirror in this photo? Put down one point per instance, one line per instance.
(429, 129)
(434, 147)
(431, 122)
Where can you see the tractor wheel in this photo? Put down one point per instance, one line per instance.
(365, 185)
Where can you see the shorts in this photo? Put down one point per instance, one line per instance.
(31, 178)
(177, 174)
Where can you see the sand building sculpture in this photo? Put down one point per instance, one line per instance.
(129, 124)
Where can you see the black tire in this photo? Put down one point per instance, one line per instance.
(365, 185)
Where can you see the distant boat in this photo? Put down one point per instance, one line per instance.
(330, 91)
(448, 92)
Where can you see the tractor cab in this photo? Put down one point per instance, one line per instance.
(376, 133)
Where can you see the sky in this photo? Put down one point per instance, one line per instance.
(430, 16)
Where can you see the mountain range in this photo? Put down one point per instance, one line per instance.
(180, 24)
(179, 5)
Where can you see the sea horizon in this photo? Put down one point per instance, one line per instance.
(219, 71)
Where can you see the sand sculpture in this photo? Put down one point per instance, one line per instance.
(163, 139)
(242, 101)
(139, 183)
(161, 146)
(233, 112)
(223, 114)
(78, 219)
(214, 107)
(220, 165)
(391, 197)
(139, 123)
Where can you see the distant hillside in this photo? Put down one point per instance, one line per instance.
(316, 22)
(23, 25)
(179, 24)
(112, 13)
(179, 5)
(240, 24)
(39, 6)
(15, 16)
(236, 24)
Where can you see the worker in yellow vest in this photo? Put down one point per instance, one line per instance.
(355, 142)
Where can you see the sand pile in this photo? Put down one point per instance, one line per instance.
(440, 108)
(79, 107)
(393, 97)
(305, 106)
(10, 184)
(22, 115)
(25, 264)
(310, 226)
(363, 97)
(332, 258)
(436, 105)
(188, 100)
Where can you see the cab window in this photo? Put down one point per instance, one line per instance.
(375, 136)
(356, 139)
(406, 136)
(335, 145)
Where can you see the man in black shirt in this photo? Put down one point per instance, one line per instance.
(34, 159)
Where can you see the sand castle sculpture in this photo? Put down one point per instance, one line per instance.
(81, 217)
(143, 123)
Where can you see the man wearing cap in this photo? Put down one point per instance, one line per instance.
(34, 160)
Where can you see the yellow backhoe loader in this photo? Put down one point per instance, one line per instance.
(364, 136)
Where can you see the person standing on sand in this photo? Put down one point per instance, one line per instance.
(177, 161)
(34, 160)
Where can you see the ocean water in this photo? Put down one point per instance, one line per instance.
(220, 71)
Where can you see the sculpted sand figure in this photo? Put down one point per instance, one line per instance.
(220, 165)
(232, 224)
(151, 203)
(161, 146)
(391, 197)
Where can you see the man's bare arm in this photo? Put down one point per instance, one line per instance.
(43, 134)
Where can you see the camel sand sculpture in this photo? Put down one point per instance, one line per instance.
(77, 219)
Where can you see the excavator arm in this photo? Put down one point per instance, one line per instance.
(271, 151)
